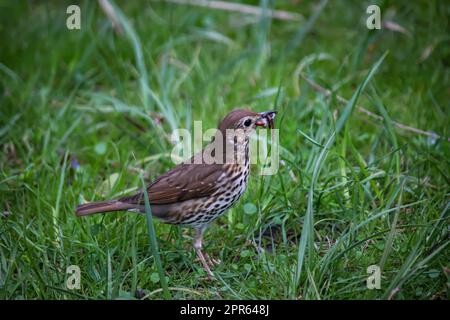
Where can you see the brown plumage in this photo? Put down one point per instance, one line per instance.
(196, 192)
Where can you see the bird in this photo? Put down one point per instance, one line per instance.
(196, 192)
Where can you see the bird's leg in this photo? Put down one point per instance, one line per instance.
(210, 261)
(198, 249)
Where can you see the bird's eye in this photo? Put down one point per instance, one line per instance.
(247, 122)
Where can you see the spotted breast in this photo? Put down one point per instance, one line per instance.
(231, 185)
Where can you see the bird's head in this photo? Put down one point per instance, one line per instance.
(231, 140)
(246, 121)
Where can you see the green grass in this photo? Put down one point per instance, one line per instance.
(78, 113)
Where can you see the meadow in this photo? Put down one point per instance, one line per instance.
(87, 114)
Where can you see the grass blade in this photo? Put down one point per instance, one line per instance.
(352, 102)
(306, 240)
(154, 243)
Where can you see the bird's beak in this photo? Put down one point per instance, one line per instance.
(266, 119)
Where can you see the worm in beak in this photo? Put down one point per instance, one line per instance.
(266, 119)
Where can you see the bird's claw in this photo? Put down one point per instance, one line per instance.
(211, 261)
(206, 262)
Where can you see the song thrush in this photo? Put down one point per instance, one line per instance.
(198, 191)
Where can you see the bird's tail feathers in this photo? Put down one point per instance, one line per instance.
(102, 206)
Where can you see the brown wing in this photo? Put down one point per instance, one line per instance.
(184, 182)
